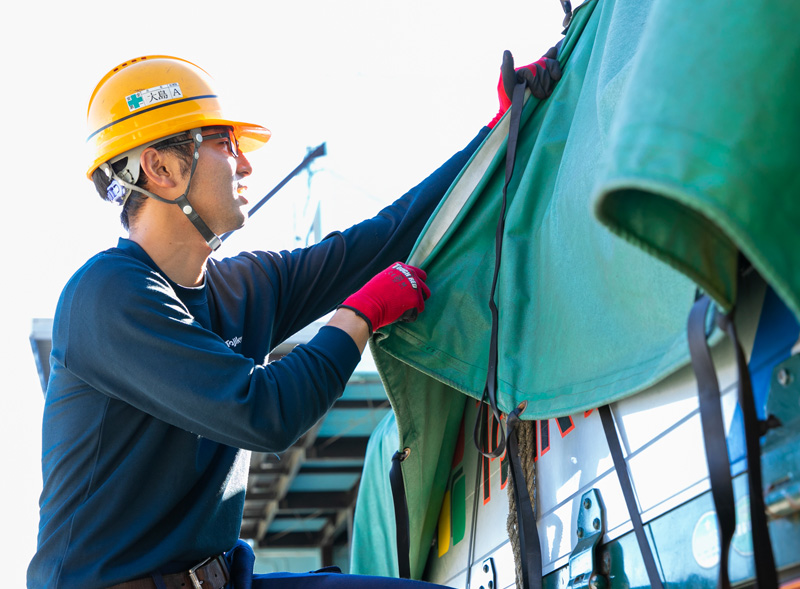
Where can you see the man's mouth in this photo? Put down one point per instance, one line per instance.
(241, 189)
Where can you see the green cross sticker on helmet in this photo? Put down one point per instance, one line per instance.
(134, 101)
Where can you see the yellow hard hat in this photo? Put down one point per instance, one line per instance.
(151, 97)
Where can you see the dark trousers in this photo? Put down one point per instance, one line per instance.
(241, 560)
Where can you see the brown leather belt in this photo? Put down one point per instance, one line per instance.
(212, 573)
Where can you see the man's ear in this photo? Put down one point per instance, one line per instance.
(162, 169)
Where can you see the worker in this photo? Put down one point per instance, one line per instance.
(159, 388)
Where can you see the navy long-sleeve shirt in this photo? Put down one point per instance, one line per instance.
(158, 392)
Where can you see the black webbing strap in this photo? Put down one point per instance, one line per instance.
(541, 84)
(183, 202)
(627, 491)
(719, 471)
(474, 526)
(490, 389)
(766, 573)
(716, 446)
(211, 238)
(400, 514)
(529, 547)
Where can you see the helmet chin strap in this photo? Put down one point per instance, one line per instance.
(182, 201)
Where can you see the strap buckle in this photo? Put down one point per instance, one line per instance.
(196, 583)
(567, 6)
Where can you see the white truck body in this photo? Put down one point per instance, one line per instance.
(662, 439)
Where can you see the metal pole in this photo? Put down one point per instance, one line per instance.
(318, 152)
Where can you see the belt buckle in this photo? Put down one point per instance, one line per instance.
(196, 583)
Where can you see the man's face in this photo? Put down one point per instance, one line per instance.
(217, 191)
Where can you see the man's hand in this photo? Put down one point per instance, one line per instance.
(396, 294)
(541, 77)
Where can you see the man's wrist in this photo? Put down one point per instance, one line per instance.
(353, 324)
(359, 314)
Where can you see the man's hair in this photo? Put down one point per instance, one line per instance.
(136, 200)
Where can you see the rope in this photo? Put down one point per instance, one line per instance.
(527, 444)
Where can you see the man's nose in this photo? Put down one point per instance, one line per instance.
(243, 165)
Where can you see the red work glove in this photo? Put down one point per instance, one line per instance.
(541, 77)
(397, 293)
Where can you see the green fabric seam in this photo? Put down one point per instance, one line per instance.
(624, 230)
(725, 226)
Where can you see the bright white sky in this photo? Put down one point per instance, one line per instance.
(393, 88)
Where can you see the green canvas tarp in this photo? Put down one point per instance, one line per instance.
(655, 132)
(703, 155)
(375, 546)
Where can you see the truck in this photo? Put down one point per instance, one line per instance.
(615, 267)
(661, 432)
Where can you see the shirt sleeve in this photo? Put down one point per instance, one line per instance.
(308, 283)
(128, 335)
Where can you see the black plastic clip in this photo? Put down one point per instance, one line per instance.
(567, 6)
